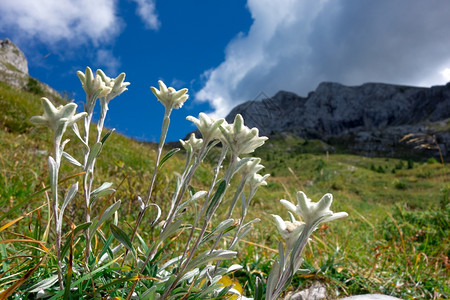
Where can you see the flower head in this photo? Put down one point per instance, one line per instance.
(241, 139)
(251, 167)
(170, 97)
(289, 230)
(94, 87)
(116, 85)
(208, 126)
(54, 117)
(193, 142)
(313, 212)
(257, 180)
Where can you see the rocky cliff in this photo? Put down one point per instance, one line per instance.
(13, 64)
(369, 119)
(14, 70)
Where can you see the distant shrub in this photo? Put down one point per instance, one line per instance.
(432, 160)
(400, 185)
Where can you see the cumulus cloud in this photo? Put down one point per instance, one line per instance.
(294, 45)
(54, 21)
(146, 11)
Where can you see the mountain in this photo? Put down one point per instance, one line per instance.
(369, 119)
(14, 70)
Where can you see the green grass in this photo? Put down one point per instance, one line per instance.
(395, 240)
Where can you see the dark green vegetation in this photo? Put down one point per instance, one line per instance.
(395, 240)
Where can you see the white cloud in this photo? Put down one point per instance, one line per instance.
(146, 11)
(294, 45)
(107, 62)
(54, 21)
(446, 74)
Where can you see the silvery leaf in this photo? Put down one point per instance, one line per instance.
(71, 159)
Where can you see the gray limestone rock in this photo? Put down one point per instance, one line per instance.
(369, 119)
(13, 64)
(11, 54)
(14, 69)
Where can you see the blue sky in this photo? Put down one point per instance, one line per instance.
(226, 51)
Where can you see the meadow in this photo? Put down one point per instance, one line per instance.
(395, 240)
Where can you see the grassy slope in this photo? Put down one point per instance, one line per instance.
(395, 240)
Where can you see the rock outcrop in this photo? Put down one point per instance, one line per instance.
(14, 70)
(13, 64)
(369, 119)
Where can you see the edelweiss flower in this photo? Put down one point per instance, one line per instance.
(208, 126)
(170, 97)
(194, 142)
(257, 180)
(55, 117)
(289, 231)
(241, 139)
(117, 85)
(94, 87)
(312, 212)
(251, 167)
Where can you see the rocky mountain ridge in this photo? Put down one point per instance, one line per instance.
(369, 119)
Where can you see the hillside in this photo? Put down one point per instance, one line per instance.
(395, 240)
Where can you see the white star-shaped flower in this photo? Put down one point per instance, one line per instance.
(193, 142)
(54, 117)
(313, 212)
(241, 139)
(116, 85)
(170, 97)
(208, 126)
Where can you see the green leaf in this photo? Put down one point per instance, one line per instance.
(71, 159)
(103, 190)
(190, 275)
(208, 256)
(108, 213)
(4, 258)
(106, 248)
(216, 197)
(43, 284)
(224, 226)
(171, 228)
(167, 156)
(78, 135)
(53, 172)
(93, 154)
(69, 196)
(259, 292)
(150, 294)
(83, 278)
(107, 136)
(122, 237)
(194, 197)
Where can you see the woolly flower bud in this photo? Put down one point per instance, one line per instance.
(257, 180)
(241, 139)
(193, 142)
(170, 97)
(289, 231)
(251, 167)
(94, 87)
